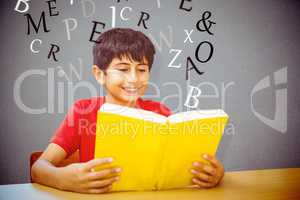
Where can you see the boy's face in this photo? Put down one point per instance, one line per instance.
(125, 80)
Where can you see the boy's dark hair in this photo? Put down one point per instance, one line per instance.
(119, 42)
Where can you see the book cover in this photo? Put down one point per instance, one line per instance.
(155, 152)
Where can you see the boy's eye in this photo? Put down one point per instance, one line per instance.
(123, 69)
(142, 70)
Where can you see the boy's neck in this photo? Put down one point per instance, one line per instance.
(109, 99)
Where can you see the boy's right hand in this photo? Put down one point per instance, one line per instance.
(81, 177)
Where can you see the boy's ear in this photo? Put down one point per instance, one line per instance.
(98, 74)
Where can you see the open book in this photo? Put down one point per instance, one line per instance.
(154, 151)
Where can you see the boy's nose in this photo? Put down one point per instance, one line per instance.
(132, 77)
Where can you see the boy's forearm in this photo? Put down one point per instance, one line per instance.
(46, 173)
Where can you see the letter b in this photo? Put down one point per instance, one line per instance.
(193, 96)
(25, 3)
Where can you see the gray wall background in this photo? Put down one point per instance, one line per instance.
(252, 40)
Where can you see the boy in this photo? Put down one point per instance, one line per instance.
(122, 63)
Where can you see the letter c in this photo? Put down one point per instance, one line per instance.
(31, 45)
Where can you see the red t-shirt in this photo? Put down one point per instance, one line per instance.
(78, 129)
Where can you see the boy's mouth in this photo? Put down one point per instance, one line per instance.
(131, 90)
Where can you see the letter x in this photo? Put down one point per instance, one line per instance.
(188, 36)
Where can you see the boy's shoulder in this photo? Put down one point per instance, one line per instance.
(88, 102)
(88, 105)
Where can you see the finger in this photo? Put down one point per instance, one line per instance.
(205, 168)
(100, 190)
(202, 184)
(213, 160)
(217, 174)
(203, 177)
(103, 173)
(102, 183)
(95, 162)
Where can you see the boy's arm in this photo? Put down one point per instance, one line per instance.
(77, 177)
(44, 170)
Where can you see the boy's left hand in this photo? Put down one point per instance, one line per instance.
(207, 176)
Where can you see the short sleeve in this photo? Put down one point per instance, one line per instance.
(67, 135)
(164, 110)
(154, 106)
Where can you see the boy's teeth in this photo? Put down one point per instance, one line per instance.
(131, 89)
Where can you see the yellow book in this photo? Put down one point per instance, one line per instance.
(155, 152)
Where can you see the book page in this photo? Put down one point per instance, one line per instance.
(133, 112)
(196, 114)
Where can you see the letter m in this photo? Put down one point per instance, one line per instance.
(36, 27)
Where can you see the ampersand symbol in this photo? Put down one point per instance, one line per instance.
(206, 22)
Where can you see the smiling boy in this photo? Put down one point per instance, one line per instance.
(122, 62)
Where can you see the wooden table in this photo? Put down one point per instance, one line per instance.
(257, 184)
